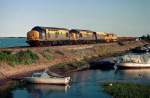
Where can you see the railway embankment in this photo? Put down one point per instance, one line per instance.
(15, 62)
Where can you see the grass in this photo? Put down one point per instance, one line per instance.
(46, 54)
(59, 52)
(66, 66)
(127, 90)
(79, 64)
(72, 64)
(7, 56)
(22, 57)
(26, 57)
(62, 66)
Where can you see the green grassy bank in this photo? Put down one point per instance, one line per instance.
(127, 90)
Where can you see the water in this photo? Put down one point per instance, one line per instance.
(85, 84)
(12, 42)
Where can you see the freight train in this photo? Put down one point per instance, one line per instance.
(45, 36)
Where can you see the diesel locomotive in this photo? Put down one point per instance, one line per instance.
(45, 36)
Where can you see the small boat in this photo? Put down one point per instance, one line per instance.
(133, 61)
(45, 78)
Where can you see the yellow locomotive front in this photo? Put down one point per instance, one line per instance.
(33, 35)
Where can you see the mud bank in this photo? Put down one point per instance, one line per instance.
(63, 59)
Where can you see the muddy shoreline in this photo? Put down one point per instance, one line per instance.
(71, 58)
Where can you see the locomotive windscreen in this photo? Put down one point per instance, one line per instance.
(39, 29)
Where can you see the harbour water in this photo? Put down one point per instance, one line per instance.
(13, 42)
(85, 84)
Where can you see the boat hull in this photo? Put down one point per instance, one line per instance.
(61, 81)
(132, 65)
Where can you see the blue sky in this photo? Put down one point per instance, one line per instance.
(123, 17)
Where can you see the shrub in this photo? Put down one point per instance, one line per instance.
(21, 57)
(6, 56)
(26, 57)
(145, 37)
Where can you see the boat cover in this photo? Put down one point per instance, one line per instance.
(136, 58)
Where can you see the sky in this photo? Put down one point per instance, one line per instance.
(123, 17)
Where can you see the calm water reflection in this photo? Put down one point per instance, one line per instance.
(85, 84)
(135, 75)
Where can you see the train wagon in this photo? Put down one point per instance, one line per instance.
(83, 36)
(110, 37)
(127, 39)
(106, 37)
(41, 36)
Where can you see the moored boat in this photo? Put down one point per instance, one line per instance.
(132, 65)
(45, 78)
(134, 61)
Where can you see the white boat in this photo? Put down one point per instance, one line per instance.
(133, 61)
(45, 78)
(133, 65)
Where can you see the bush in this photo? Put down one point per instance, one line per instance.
(6, 56)
(145, 37)
(21, 57)
(26, 57)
